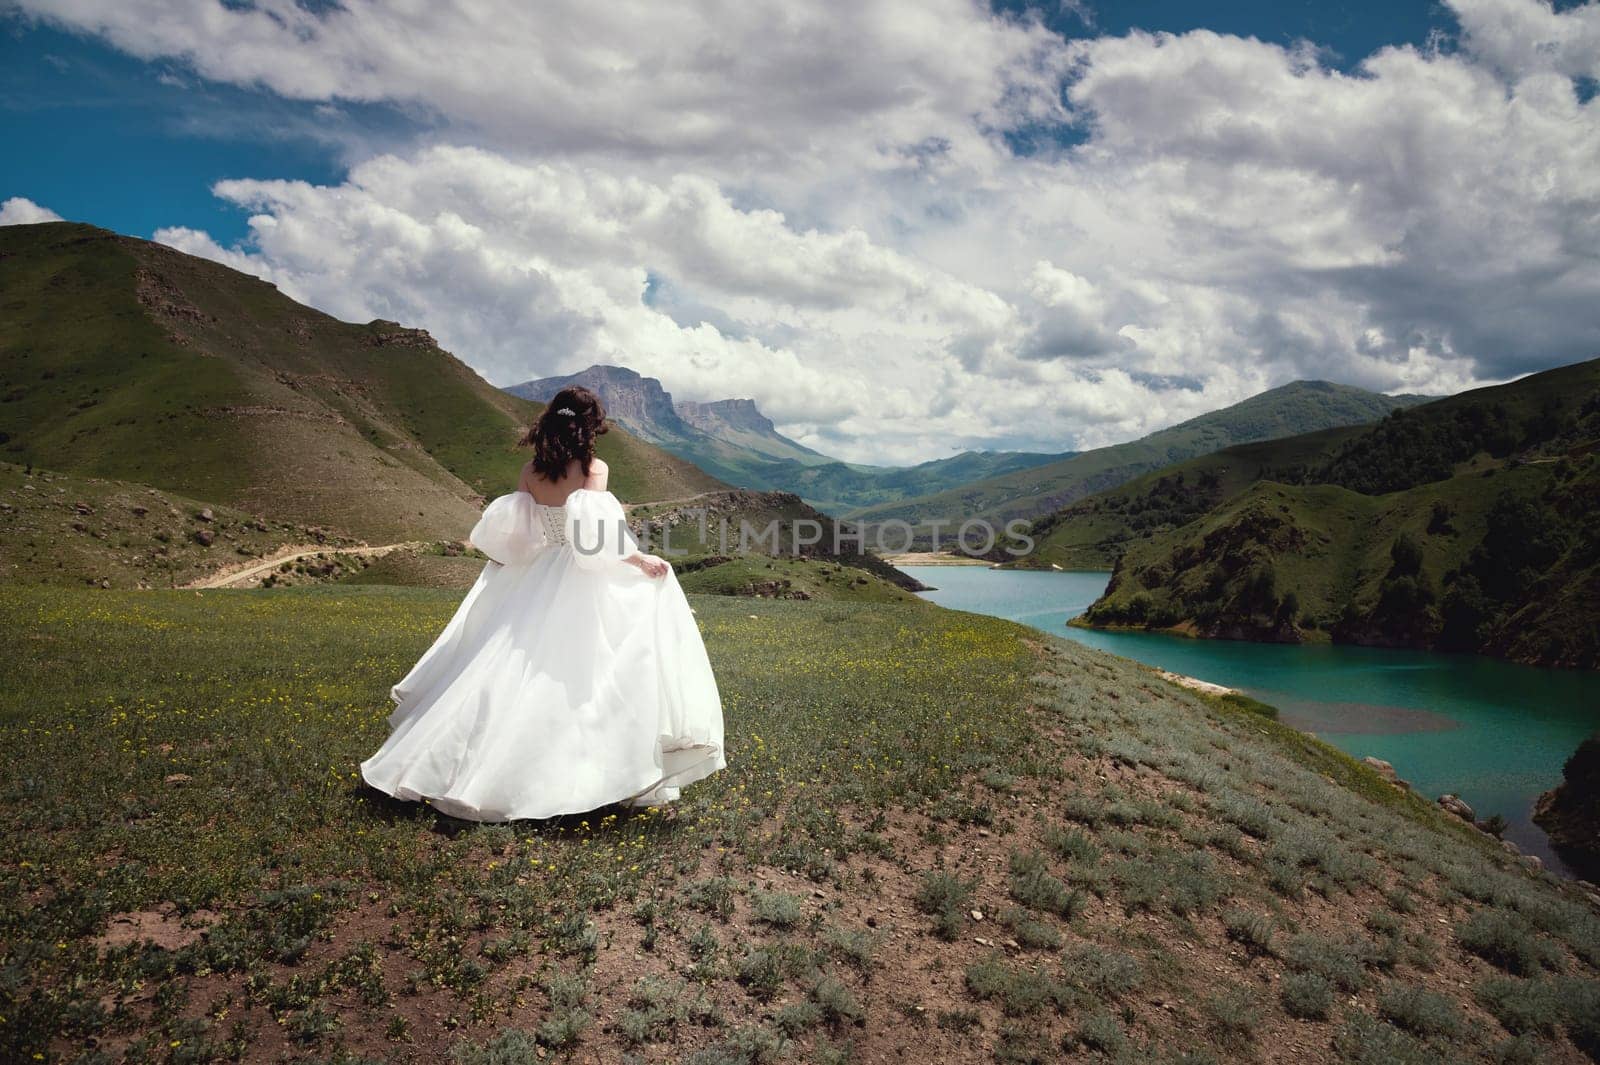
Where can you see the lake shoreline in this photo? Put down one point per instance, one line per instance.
(1502, 731)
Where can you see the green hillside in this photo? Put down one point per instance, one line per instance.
(939, 836)
(1094, 531)
(1465, 524)
(130, 361)
(1300, 407)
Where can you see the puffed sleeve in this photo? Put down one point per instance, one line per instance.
(597, 529)
(509, 530)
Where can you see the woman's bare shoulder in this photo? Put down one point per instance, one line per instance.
(598, 472)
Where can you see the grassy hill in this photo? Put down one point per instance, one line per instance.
(939, 835)
(1300, 407)
(130, 361)
(57, 529)
(1465, 524)
(716, 528)
(1094, 531)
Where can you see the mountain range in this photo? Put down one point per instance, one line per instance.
(1466, 524)
(732, 440)
(1298, 407)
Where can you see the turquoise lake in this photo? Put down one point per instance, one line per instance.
(1492, 732)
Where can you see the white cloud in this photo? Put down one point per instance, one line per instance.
(1523, 37)
(20, 211)
(814, 205)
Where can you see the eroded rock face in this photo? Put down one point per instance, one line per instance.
(1455, 804)
(1570, 812)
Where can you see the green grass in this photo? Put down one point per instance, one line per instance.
(184, 765)
(793, 578)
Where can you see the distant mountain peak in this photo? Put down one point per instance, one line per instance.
(720, 413)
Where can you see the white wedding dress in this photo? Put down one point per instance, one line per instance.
(566, 680)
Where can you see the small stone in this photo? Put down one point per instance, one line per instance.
(981, 941)
(205, 514)
(204, 537)
(977, 915)
(178, 780)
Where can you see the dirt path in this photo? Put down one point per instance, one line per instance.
(233, 576)
(675, 502)
(238, 574)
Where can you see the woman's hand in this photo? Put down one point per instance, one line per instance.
(650, 565)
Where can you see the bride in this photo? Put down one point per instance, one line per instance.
(572, 675)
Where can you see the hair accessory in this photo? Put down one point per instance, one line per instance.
(568, 411)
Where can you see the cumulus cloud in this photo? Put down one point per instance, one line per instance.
(21, 211)
(818, 207)
(746, 85)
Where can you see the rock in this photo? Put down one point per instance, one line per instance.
(1509, 847)
(139, 511)
(1532, 861)
(977, 915)
(1384, 769)
(1570, 812)
(206, 515)
(1454, 804)
(178, 780)
(204, 537)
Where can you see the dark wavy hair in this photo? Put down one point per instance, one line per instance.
(566, 430)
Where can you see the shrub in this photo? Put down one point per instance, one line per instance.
(1365, 1040)
(1253, 931)
(1105, 973)
(1306, 996)
(947, 899)
(835, 1000)
(1103, 1032)
(747, 1046)
(1034, 886)
(512, 1046)
(1232, 1017)
(1030, 931)
(1020, 991)
(776, 908)
(1420, 1012)
(1071, 843)
(852, 945)
(1506, 942)
(713, 896)
(1341, 964)
(1522, 1006)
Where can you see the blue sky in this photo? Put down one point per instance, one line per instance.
(904, 227)
(134, 145)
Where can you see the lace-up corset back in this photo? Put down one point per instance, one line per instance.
(554, 520)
